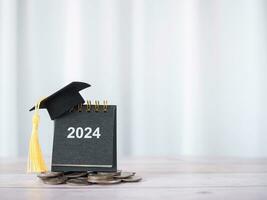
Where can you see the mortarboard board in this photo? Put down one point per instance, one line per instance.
(64, 99)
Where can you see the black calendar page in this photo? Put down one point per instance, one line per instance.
(85, 141)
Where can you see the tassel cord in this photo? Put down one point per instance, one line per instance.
(36, 162)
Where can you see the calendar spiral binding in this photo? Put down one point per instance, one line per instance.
(97, 107)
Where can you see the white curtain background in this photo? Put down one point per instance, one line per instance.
(188, 76)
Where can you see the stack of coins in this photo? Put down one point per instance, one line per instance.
(88, 178)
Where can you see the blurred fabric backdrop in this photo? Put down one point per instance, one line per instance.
(188, 76)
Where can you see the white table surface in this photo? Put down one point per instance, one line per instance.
(163, 178)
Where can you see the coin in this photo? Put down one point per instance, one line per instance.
(99, 176)
(75, 174)
(110, 173)
(55, 181)
(124, 175)
(87, 178)
(78, 181)
(105, 182)
(45, 175)
(132, 179)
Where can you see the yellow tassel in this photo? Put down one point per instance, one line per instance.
(36, 162)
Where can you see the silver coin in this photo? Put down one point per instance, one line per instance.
(75, 174)
(99, 177)
(105, 182)
(55, 181)
(132, 179)
(117, 173)
(78, 181)
(45, 175)
(124, 175)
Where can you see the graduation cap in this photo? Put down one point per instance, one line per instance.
(63, 100)
(56, 104)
